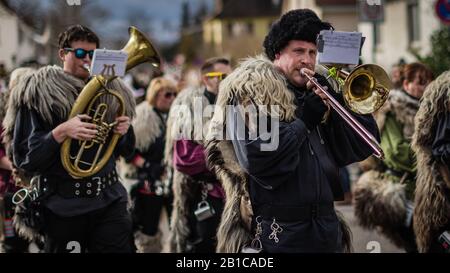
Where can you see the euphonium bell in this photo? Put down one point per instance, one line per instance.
(139, 50)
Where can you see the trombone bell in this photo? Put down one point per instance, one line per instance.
(366, 88)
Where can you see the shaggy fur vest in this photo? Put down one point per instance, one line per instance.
(257, 81)
(380, 202)
(432, 205)
(51, 93)
(185, 121)
(147, 127)
(4, 96)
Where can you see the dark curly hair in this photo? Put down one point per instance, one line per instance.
(77, 33)
(299, 24)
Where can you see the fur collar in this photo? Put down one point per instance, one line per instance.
(51, 92)
(180, 125)
(258, 79)
(181, 117)
(147, 126)
(404, 109)
(4, 96)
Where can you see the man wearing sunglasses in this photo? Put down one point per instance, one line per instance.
(198, 196)
(77, 215)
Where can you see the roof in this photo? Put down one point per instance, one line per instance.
(249, 8)
(7, 7)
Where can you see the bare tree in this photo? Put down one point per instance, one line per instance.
(32, 13)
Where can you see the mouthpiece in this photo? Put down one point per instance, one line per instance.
(87, 68)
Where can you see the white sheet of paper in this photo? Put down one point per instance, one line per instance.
(106, 62)
(339, 47)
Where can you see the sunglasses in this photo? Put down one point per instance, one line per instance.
(80, 53)
(219, 75)
(168, 95)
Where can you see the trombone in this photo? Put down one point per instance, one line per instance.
(365, 89)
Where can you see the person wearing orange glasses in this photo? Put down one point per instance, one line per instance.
(198, 195)
(152, 193)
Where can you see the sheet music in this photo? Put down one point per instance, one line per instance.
(109, 62)
(339, 47)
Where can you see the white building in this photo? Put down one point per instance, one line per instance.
(18, 41)
(408, 24)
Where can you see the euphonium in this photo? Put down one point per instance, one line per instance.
(139, 50)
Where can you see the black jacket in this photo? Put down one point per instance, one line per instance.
(292, 177)
(441, 142)
(37, 152)
(154, 166)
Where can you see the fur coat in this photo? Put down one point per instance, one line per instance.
(258, 80)
(51, 92)
(183, 122)
(147, 127)
(380, 202)
(432, 205)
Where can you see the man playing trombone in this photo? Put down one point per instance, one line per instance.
(283, 198)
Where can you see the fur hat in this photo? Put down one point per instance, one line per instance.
(299, 24)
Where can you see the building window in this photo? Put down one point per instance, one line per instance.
(376, 34)
(230, 29)
(21, 35)
(413, 17)
(250, 28)
(239, 28)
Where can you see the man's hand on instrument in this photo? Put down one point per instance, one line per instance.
(311, 86)
(76, 128)
(122, 126)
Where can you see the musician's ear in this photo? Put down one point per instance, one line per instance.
(62, 54)
(277, 56)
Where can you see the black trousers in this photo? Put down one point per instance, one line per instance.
(107, 230)
(203, 238)
(147, 211)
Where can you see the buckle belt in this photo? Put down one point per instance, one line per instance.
(82, 188)
(293, 214)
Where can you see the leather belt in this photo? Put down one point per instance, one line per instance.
(81, 188)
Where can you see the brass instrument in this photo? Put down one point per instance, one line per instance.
(365, 89)
(139, 50)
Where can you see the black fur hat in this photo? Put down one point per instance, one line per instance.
(299, 24)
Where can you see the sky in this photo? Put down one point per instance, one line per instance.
(164, 16)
